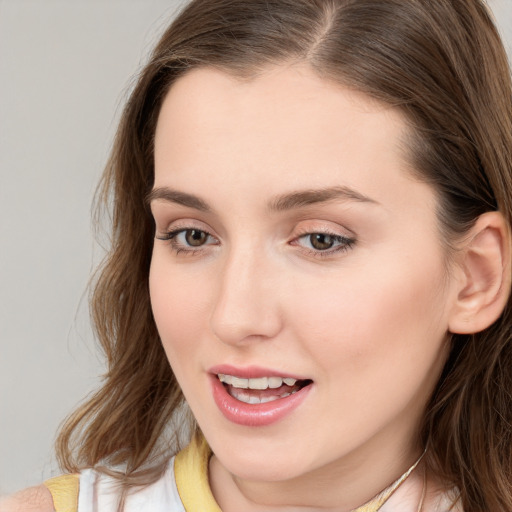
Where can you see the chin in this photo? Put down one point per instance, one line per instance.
(262, 471)
(262, 460)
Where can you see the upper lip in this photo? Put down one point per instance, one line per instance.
(252, 372)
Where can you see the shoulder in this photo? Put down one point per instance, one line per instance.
(33, 499)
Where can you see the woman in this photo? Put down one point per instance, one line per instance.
(312, 204)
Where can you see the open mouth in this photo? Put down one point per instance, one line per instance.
(262, 389)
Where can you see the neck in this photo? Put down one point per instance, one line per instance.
(342, 486)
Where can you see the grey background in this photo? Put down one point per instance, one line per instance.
(65, 68)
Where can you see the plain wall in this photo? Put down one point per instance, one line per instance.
(65, 67)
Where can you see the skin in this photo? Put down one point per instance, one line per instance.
(33, 499)
(368, 324)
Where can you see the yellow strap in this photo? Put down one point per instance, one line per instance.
(191, 473)
(64, 491)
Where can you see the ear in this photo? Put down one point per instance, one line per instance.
(484, 284)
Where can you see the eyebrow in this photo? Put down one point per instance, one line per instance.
(289, 201)
(303, 198)
(175, 196)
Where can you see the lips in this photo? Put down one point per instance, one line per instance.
(257, 397)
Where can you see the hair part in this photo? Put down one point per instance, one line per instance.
(442, 64)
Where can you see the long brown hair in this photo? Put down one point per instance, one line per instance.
(441, 62)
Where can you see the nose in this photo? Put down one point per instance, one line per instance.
(247, 305)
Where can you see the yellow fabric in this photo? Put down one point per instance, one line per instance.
(191, 473)
(64, 491)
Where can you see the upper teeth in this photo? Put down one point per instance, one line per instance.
(260, 383)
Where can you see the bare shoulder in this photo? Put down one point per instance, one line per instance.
(33, 499)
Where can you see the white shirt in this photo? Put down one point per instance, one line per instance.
(101, 493)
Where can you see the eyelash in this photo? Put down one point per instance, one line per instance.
(178, 248)
(346, 243)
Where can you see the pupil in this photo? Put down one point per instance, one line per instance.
(195, 237)
(321, 242)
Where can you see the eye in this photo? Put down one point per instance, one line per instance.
(323, 244)
(195, 237)
(321, 241)
(188, 239)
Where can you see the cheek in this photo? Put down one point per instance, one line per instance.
(178, 309)
(376, 342)
(370, 321)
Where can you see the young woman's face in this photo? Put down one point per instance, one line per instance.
(298, 279)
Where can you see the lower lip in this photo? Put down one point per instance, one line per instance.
(255, 415)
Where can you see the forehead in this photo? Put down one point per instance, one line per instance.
(284, 128)
(210, 99)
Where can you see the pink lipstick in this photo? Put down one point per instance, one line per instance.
(255, 396)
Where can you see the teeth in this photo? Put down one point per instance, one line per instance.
(237, 387)
(260, 383)
(269, 399)
(275, 382)
(254, 400)
(237, 382)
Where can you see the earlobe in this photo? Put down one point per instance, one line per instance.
(484, 289)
